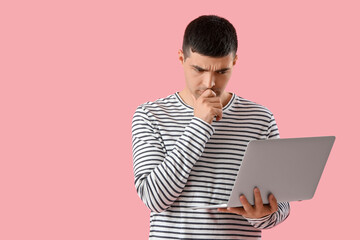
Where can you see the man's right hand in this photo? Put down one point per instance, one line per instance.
(207, 106)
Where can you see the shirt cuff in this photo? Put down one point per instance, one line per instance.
(207, 124)
(256, 220)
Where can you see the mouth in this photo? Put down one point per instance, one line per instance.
(215, 91)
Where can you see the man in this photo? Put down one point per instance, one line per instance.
(188, 147)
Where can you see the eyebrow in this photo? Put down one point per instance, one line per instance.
(201, 69)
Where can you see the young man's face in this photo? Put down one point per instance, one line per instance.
(203, 72)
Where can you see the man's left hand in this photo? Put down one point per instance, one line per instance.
(258, 210)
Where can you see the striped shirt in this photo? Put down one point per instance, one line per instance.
(181, 161)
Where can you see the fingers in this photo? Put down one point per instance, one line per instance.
(212, 99)
(219, 114)
(273, 203)
(208, 93)
(223, 210)
(208, 106)
(236, 210)
(246, 204)
(249, 211)
(257, 195)
(206, 98)
(215, 108)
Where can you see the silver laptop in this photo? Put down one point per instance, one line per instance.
(289, 168)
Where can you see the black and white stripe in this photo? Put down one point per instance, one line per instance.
(180, 161)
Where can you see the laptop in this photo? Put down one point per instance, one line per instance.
(289, 168)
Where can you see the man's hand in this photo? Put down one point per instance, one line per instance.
(207, 106)
(259, 210)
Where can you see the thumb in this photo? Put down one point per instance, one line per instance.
(223, 210)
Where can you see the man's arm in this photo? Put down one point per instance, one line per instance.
(263, 216)
(160, 176)
(273, 219)
(283, 209)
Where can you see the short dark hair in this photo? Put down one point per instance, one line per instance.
(210, 35)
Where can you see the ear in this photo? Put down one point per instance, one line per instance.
(235, 59)
(181, 56)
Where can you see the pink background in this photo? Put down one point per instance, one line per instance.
(73, 72)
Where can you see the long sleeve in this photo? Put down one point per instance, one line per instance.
(160, 176)
(283, 211)
(274, 219)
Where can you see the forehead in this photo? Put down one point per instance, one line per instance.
(210, 62)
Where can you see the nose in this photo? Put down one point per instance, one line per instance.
(209, 80)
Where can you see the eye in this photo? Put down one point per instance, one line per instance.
(222, 72)
(198, 70)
